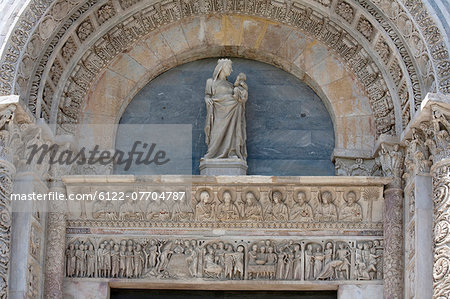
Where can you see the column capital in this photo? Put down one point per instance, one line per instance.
(430, 129)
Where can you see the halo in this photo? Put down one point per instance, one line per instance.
(199, 191)
(333, 195)
(253, 190)
(223, 190)
(356, 192)
(283, 194)
(305, 191)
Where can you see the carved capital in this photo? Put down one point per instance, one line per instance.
(437, 132)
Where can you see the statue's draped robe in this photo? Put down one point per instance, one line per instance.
(225, 122)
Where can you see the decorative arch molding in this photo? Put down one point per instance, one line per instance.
(305, 58)
(58, 48)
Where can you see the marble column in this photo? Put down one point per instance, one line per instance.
(418, 216)
(438, 141)
(56, 237)
(441, 228)
(7, 171)
(430, 130)
(391, 161)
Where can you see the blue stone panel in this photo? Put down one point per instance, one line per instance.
(289, 130)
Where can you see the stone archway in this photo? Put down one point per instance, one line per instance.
(386, 41)
(309, 60)
(56, 51)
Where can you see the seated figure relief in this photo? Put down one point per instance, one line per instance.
(326, 210)
(249, 205)
(301, 210)
(351, 210)
(227, 210)
(252, 208)
(276, 210)
(205, 209)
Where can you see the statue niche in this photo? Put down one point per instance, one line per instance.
(225, 126)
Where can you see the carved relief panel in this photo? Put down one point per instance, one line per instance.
(249, 205)
(161, 257)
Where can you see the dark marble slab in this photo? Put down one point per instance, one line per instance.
(289, 130)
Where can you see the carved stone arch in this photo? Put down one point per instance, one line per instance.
(44, 19)
(382, 93)
(342, 94)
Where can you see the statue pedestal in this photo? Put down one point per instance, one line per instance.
(229, 166)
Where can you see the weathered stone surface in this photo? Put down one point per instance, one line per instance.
(221, 167)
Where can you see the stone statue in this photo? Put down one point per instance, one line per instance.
(193, 258)
(318, 257)
(90, 261)
(211, 265)
(80, 254)
(225, 126)
(309, 262)
(115, 261)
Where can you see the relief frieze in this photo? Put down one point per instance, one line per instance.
(233, 205)
(224, 259)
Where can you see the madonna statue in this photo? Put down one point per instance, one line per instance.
(225, 127)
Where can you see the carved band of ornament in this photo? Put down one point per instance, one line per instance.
(225, 259)
(402, 49)
(393, 236)
(244, 207)
(186, 8)
(6, 186)
(441, 235)
(317, 25)
(434, 41)
(375, 228)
